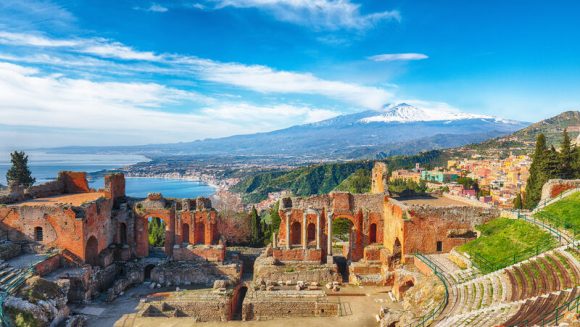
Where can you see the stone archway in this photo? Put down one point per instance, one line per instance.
(397, 252)
(296, 233)
(123, 233)
(311, 233)
(373, 233)
(92, 251)
(200, 233)
(185, 233)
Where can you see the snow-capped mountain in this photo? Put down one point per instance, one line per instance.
(397, 129)
(404, 113)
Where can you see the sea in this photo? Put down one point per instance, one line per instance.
(45, 167)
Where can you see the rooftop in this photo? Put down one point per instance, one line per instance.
(71, 199)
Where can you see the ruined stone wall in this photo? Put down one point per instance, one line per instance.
(74, 182)
(234, 227)
(299, 254)
(555, 187)
(287, 304)
(395, 214)
(196, 273)
(294, 272)
(202, 309)
(379, 178)
(115, 186)
(452, 226)
(214, 253)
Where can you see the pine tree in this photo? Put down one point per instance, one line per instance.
(518, 202)
(566, 157)
(255, 228)
(576, 164)
(552, 164)
(19, 172)
(537, 177)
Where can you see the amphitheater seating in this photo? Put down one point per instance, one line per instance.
(9, 276)
(519, 294)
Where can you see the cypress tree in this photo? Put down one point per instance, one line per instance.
(255, 228)
(566, 157)
(552, 164)
(518, 202)
(19, 172)
(275, 217)
(537, 178)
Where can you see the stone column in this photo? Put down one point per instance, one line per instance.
(274, 241)
(318, 230)
(304, 231)
(287, 230)
(329, 233)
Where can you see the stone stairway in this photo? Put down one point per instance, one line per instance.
(454, 273)
(10, 277)
(518, 294)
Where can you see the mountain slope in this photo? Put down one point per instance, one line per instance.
(523, 140)
(397, 129)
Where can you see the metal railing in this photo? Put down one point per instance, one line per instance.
(564, 194)
(561, 235)
(558, 313)
(430, 317)
(487, 266)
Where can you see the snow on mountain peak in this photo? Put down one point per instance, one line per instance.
(404, 112)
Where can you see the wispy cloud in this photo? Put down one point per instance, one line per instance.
(129, 112)
(398, 57)
(154, 7)
(258, 78)
(319, 14)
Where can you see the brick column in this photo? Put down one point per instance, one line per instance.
(304, 231)
(287, 230)
(318, 230)
(329, 233)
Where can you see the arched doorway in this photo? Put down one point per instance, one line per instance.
(397, 252)
(296, 233)
(185, 233)
(342, 245)
(147, 272)
(311, 233)
(123, 233)
(92, 251)
(373, 234)
(200, 233)
(156, 237)
(38, 234)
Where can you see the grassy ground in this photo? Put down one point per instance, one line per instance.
(506, 241)
(564, 213)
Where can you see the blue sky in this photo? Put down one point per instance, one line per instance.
(101, 72)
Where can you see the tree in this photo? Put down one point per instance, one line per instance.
(255, 228)
(156, 231)
(275, 219)
(567, 157)
(537, 177)
(552, 165)
(19, 172)
(518, 202)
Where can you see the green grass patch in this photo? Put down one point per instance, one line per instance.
(504, 242)
(564, 213)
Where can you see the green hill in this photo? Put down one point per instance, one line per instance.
(564, 213)
(323, 178)
(524, 139)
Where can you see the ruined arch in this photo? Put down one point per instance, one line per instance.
(311, 233)
(38, 234)
(397, 251)
(123, 233)
(185, 233)
(92, 251)
(373, 233)
(200, 233)
(296, 233)
(147, 271)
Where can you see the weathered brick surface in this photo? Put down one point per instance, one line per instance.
(212, 253)
(555, 187)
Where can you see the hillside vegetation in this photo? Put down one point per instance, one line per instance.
(564, 213)
(324, 178)
(504, 242)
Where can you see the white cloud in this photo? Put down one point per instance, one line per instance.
(267, 80)
(126, 113)
(154, 7)
(398, 57)
(33, 40)
(119, 51)
(257, 78)
(320, 14)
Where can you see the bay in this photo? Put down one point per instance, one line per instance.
(45, 167)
